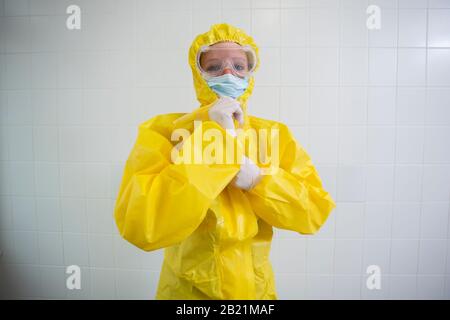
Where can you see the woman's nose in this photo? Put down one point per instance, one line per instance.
(226, 70)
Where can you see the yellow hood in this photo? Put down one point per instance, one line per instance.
(206, 96)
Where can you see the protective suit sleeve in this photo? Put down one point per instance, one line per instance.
(160, 203)
(293, 198)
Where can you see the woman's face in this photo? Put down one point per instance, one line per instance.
(232, 59)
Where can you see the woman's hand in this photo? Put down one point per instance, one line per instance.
(223, 112)
(248, 176)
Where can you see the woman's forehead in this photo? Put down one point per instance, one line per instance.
(225, 49)
(226, 44)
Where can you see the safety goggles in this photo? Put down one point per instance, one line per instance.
(212, 61)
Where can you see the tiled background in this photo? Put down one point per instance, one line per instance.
(371, 107)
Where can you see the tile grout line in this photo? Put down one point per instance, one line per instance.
(307, 54)
(37, 231)
(366, 166)
(423, 158)
(339, 55)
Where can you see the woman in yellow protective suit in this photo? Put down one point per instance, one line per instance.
(215, 219)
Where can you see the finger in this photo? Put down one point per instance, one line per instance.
(236, 111)
(230, 101)
(230, 109)
(227, 123)
(239, 115)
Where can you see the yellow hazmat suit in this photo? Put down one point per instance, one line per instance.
(216, 237)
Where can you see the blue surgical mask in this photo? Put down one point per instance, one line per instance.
(228, 85)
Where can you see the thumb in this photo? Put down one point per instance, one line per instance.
(239, 115)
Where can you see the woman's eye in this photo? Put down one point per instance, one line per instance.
(213, 68)
(239, 67)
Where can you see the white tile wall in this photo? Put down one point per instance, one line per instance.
(372, 108)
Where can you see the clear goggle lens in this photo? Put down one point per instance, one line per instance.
(213, 61)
